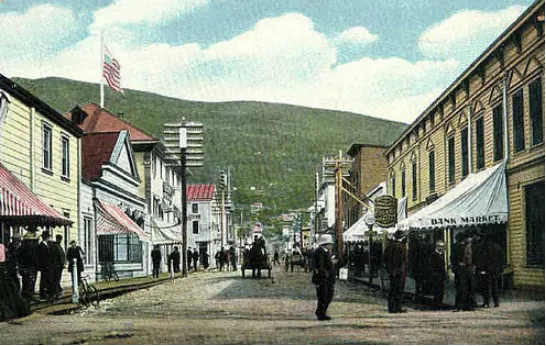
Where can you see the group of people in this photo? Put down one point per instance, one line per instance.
(476, 260)
(226, 257)
(174, 260)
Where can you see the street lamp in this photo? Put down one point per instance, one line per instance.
(369, 219)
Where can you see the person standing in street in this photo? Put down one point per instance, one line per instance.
(465, 296)
(156, 261)
(438, 274)
(492, 270)
(174, 259)
(395, 259)
(76, 253)
(233, 257)
(27, 263)
(276, 258)
(44, 263)
(58, 263)
(189, 257)
(13, 260)
(195, 260)
(205, 260)
(324, 276)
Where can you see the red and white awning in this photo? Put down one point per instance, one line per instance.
(112, 220)
(20, 206)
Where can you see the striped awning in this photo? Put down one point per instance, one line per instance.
(21, 207)
(113, 220)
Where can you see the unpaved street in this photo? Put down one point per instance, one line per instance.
(222, 308)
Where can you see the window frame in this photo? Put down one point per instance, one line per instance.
(451, 169)
(47, 147)
(480, 159)
(65, 157)
(195, 208)
(518, 137)
(431, 171)
(414, 180)
(537, 115)
(497, 122)
(87, 242)
(195, 226)
(464, 153)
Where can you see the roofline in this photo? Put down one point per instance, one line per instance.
(356, 146)
(470, 69)
(30, 100)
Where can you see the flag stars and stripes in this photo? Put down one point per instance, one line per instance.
(111, 71)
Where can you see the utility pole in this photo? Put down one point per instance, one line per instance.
(316, 204)
(339, 231)
(184, 213)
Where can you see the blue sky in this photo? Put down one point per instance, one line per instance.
(387, 58)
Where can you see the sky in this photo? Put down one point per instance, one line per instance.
(388, 59)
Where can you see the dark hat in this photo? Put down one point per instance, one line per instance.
(45, 234)
(72, 242)
(399, 234)
(59, 236)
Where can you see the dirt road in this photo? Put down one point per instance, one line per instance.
(222, 308)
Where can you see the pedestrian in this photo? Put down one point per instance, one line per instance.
(156, 261)
(276, 257)
(233, 257)
(493, 270)
(74, 256)
(195, 260)
(28, 263)
(480, 263)
(418, 264)
(44, 263)
(217, 260)
(58, 263)
(395, 259)
(454, 260)
(13, 260)
(189, 258)
(324, 276)
(174, 259)
(205, 260)
(221, 258)
(465, 295)
(438, 274)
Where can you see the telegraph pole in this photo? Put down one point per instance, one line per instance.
(184, 213)
(339, 231)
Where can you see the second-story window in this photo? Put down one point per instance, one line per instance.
(393, 184)
(480, 149)
(498, 147)
(403, 183)
(195, 208)
(47, 147)
(535, 110)
(65, 152)
(517, 121)
(195, 227)
(414, 180)
(155, 165)
(464, 152)
(431, 172)
(451, 159)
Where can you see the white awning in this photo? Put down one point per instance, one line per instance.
(479, 199)
(358, 230)
(164, 233)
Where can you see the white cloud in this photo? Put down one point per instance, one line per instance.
(37, 32)
(466, 34)
(143, 11)
(356, 35)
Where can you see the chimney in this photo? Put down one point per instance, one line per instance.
(78, 115)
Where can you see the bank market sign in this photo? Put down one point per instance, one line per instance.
(468, 220)
(386, 211)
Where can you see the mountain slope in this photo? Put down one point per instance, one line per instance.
(274, 148)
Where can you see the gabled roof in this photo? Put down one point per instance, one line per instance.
(100, 120)
(201, 192)
(96, 151)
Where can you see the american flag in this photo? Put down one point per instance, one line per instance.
(111, 71)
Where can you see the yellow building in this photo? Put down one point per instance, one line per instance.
(41, 149)
(493, 111)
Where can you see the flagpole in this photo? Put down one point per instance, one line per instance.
(101, 69)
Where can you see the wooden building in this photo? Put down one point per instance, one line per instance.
(493, 111)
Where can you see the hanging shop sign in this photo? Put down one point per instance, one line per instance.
(386, 211)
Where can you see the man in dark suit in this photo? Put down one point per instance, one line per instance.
(58, 263)
(324, 276)
(438, 273)
(44, 263)
(491, 270)
(395, 259)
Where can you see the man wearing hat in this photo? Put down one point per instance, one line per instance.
(13, 259)
(324, 275)
(395, 259)
(438, 273)
(75, 254)
(27, 263)
(44, 257)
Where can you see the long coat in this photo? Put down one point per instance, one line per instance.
(325, 271)
(395, 259)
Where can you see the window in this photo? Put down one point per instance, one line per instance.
(498, 147)
(87, 239)
(393, 184)
(480, 149)
(414, 180)
(66, 231)
(161, 170)
(195, 227)
(464, 152)
(403, 183)
(120, 248)
(535, 110)
(155, 166)
(451, 159)
(534, 223)
(195, 208)
(47, 147)
(517, 121)
(431, 172)
(65, 154)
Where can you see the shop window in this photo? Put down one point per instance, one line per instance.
(414, 180)
(195, 227)
(464, 152)
(431, 172)
(535, 110)
(534, 223)
(120, 248)
(451, 159)
(47, 147)
(517, 121)
(403, 183)
(87, 239)
(498, 147)
(65, 157)
(480, 149)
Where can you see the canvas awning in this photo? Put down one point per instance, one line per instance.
(164, 233)
(21, 207)
(358, 230)
(479, 199)
(112, 220)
